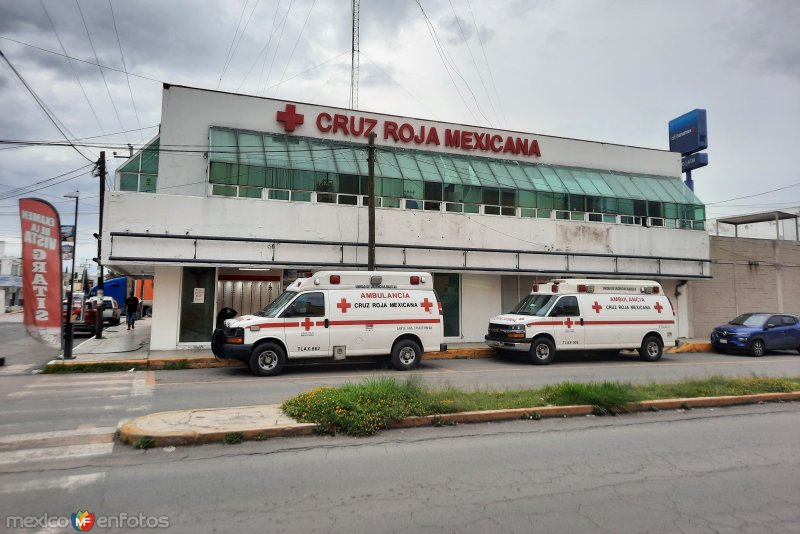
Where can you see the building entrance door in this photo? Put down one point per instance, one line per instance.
(448, 288)
(197, 305)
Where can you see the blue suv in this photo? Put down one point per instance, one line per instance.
(757, 333)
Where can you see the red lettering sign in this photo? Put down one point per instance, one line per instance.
(41, 270)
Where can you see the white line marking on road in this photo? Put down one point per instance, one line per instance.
(50, 392)
(55, 453)
(70, 384)
(68, 483)
(16, 369)
(140, 386)
(84, 409)
(57, 434)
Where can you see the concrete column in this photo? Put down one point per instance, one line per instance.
(166, 308)
(778, 273)
(683, 311)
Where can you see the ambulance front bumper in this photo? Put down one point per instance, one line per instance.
(503, 343)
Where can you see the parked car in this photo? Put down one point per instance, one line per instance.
(82, 313)
(111, 310)
(757, 333)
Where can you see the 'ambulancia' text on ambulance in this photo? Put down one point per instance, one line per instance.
(338, 315)
(587, 315)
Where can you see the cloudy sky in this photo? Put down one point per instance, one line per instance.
(606, 70)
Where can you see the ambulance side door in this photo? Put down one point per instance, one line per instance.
(306, 328)
(570, 335)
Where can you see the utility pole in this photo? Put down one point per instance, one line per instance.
(371, 202)
(101, 172)
(68, 330)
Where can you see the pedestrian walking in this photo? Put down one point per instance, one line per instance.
(131, 307)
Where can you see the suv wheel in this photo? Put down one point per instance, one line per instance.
(757, 348)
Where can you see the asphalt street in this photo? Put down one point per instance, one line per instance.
(723, 470)
(697, 471)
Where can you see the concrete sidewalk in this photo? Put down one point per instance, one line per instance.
(132, 347)
(212, 425)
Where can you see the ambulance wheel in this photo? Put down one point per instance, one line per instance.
(542, 351)
(406, 355)
(267, 360)
(651, 349)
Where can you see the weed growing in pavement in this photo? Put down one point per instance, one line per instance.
(176, 365)
(233, 438)
(144, 443)
(88, 368)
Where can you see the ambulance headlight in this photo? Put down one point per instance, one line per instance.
(518, 327)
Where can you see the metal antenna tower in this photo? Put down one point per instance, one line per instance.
(354, 59)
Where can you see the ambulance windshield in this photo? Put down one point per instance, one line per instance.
(537, 305)
(272, 309)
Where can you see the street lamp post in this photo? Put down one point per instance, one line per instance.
(68, 326)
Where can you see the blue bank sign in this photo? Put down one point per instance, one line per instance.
(688, 133)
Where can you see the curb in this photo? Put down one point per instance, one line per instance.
(690, 347)
(206, 362)
(129, 431)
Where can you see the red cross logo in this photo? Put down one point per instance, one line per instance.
(290, 118)
(427, 304)
(344, 305)
(308, 323)
(659, 307)
(569, 323)
(596, 307)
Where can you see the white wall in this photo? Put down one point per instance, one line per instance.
(480, 300)
(188, 113)
(246, 218)
(166, 308)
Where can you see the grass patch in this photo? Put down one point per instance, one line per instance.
(365, 408)
(89, 368)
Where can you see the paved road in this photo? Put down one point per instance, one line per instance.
(21, 352)
(236, 386)
(723, 470)
(57, 455)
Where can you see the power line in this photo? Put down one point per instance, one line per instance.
(43, 183)
(278, 46)
(475, 63)
(50, 114)
(754, 195)
(488, 65)
(230, 46)
(272, 32)
(429, 25)
(102, 74)
(125, 67)
(291, 54)
(72, 67)
(81, 60)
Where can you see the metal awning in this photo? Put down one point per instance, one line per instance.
(767, 216)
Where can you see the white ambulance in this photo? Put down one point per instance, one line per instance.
(339, 315)
(586, 315)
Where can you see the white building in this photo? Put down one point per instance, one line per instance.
(10, 280)
(238, 194)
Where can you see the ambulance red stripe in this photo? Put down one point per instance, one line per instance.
(546, 323)
(276, 325)
(626, 322)
(385, 321)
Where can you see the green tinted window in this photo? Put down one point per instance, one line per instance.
(129, 182)
(147, 183)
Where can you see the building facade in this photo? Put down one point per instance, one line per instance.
(239, 195)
